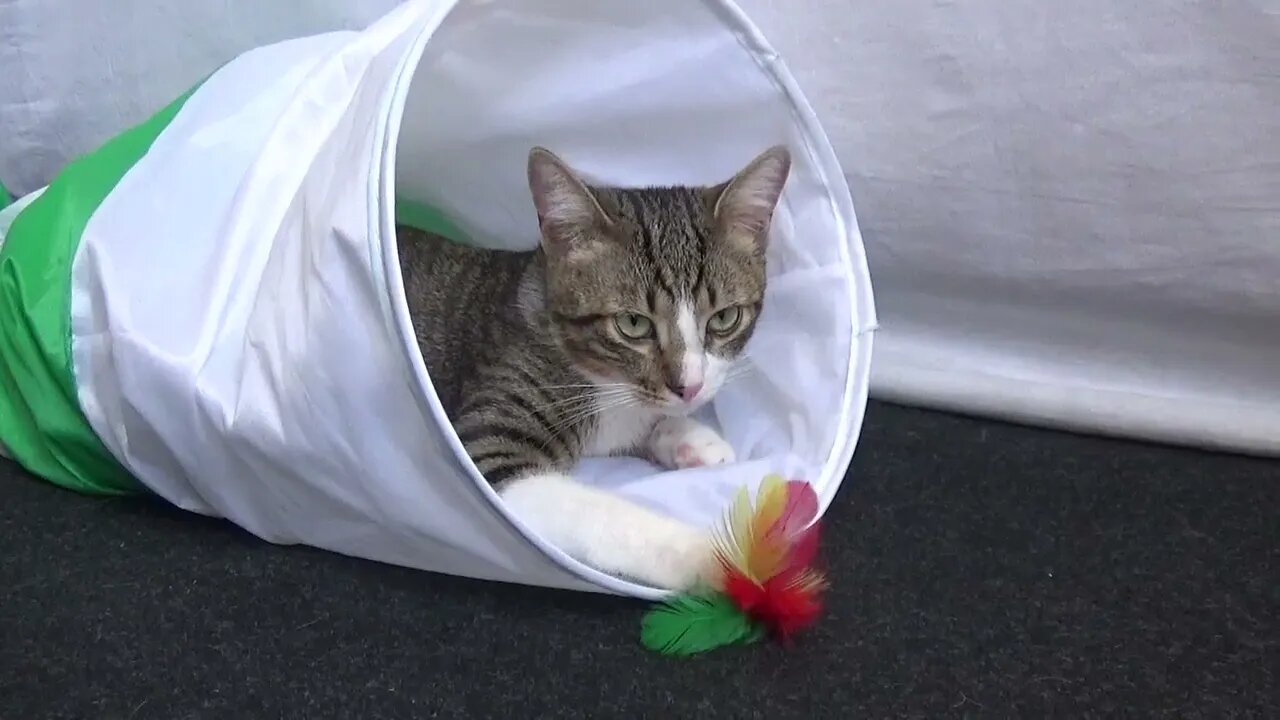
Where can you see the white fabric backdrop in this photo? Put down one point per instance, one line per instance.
(1072, 210)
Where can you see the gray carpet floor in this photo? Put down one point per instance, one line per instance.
(980, 570)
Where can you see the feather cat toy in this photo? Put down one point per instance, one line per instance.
(767, 586)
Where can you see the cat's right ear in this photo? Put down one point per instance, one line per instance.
(568, 214)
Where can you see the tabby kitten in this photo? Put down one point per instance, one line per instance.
(625, 320)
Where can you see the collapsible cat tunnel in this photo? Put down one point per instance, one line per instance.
(209, 307)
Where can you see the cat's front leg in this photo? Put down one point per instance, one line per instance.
(601, 529)
(681, 442)
(611, 533)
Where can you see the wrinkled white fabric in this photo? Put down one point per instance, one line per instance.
(239, 331)
(1071, 208)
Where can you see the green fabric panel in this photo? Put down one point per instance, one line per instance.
(40, 418)
(428, 219)
(5, 197)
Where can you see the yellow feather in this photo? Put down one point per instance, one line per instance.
(743, 544)
(756, 552)
(771, 500)
(737, 533)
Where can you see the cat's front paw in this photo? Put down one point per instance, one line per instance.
(678, 561)
(680, 443)
(611, 533)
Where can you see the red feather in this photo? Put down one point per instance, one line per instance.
(745, 594)
(790, 599)
(783, 604)
(800, 509)
(797, 527)
(767, 572)
(766, 585)
(804, 548)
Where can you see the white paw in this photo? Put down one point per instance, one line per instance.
(681, 443)
(675, 560)
(611, 533)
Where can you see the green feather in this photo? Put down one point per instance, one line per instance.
(691, 624)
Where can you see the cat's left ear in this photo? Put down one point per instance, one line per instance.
(744, 206)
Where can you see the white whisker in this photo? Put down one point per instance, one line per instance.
(580, 414)
(583, 397)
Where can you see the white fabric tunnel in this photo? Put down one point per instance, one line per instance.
(240, 337)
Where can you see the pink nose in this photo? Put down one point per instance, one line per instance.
(689, 392)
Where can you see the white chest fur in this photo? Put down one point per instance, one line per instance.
(620, 429)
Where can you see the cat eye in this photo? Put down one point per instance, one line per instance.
(724, 322)
(634, 326)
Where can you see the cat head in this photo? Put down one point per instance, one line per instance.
(656, 290)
